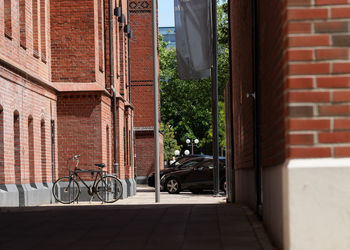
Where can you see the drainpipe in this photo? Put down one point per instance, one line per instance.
(114, 102)
(129, 84)
(129, 68)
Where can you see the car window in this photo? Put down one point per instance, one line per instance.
(207, 165)
(179, 162)
(190, 163)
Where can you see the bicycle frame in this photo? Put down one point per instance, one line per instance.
(75, 174)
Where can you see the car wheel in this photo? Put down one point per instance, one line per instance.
(223, 186)
(172, 186)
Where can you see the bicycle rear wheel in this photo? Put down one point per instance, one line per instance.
(109, 189)
(66, 190)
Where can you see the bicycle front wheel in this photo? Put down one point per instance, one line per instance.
(66, 190)
(109, 189)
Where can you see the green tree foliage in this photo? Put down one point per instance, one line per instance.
(186, 105)
(209, 136)
(170, 143)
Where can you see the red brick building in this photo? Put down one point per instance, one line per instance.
(288, 118)
(56, 94)
(142, 88)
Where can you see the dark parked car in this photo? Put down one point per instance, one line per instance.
(181, 163)
(195, 178)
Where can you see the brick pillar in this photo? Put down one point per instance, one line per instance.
(317, 95)
(317, 123)
(142, 86)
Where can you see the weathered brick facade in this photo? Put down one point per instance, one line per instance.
(291, 143)
(142, 87)
(56, 97)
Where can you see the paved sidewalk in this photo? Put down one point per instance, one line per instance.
(183, 221)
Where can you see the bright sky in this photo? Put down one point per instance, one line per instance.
(166, 13)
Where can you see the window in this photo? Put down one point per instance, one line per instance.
(43, 152)
(53, 150)
(207, 165)
(126, 152)
(22, 22)
(17, 147)
(7, 16)
(108, 151)
(121, 60)
(31, 150)
(100, 35)
(43, 29)
(35, 28)
(190, 163)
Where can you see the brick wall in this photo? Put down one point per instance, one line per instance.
(75, 33)
(73, 41)
(317, 93)
(303, 80)
(142, 85)
(142, 62)
(107, 134)
(79, 129)
(13, 49)
(31, 103)
(271, 75)
(242, 80)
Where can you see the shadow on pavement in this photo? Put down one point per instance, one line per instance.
(177, 226)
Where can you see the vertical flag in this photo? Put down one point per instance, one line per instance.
(193, 38)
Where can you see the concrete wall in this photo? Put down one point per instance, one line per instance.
(318, 204)
(274, 201)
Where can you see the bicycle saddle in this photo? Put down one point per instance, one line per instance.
(100, 165)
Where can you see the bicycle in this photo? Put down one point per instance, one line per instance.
(108, 188)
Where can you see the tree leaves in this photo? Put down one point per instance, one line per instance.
(186, 105)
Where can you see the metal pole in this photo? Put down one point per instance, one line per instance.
(155, 94)
(215, 112)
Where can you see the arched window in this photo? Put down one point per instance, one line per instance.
(43, 151)
(17, 146)
(43, 29)
(22, 22)
(35, 28)
(109, 165)
(31, 150)
(53, 150)
(2, 169)
(100, 34)
(8, 18)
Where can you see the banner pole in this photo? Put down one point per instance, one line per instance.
(156, 106)
(215, 112)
